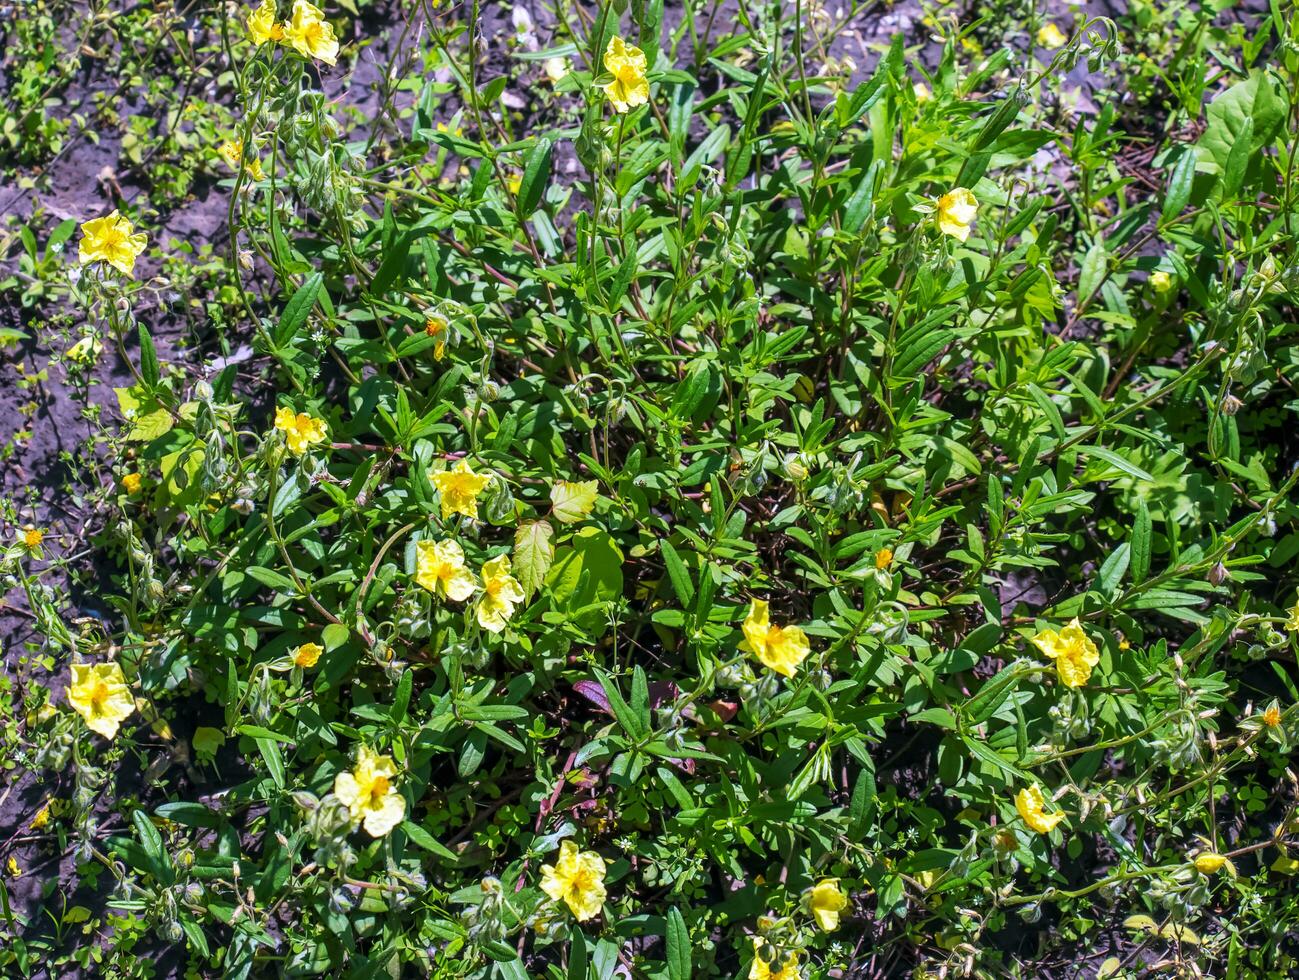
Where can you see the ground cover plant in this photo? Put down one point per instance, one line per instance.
(649, 490)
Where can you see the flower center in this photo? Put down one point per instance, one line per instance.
(1272, 717)
(378, 790)
(99, 696)
(628, 75)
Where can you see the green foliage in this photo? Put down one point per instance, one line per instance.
(738, 343)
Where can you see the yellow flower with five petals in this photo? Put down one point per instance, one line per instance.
(112, 239)
(301, 431)
(626, 63)
(1072, 650)
(369, 795)
(459, 488)
(501, 593)
(782, 648)
(99, 694)
(577, 880)
(310, 34)
(440, 568)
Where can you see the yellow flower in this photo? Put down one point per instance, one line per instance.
(436, 325)
(112, 239)
(956, 211)
(262, 26)
(1049, 36)
(1160, 281)
(780, 648)
(501, 593)
(444, 128)
(31, 537)
(301, 431)
(131, 482)
(307, 655)
(556, 68)
(84, 351)
(368, 793)
(761, 969)
(1032, 807)
(232, 152)
(99, 694)
(1209, 863)
(1073, 652)
(310, 34)
(576, 879)
(14, 870)
(883, 558)
(440, 568)
(627, 65)
(42, 818)
(459, 488)
(1272, 715)
(825, 901)
(1292, 624)
(514, 182)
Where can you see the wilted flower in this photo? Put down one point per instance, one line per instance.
(459, 488)
(440, 568)
(111, 239)
(956, 213)
(1072, 650)
(369, 795)
(1208, 862)
(556, 68)
(99, 694)
(501, 593)
(262, 26)
(84, 351)
(825, 901)
(922, 93)
(883, 558)
(307, 654)
(1032, 808)
(232, 152)
(310, 34)
(301, 431)
(1160, 281)
(627, 65)
(576, 879)
(1049, 36)
(131, 482)
(780, 648)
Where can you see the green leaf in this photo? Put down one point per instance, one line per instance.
(298, 309)
(1179, 185)
(149, 369)
(1117, 461)
(1140, 540)
(678, 574)
(534, 552)
(678, 943)
(572, 502)
(1255, 99)
(536, 174)
(1093, 271)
